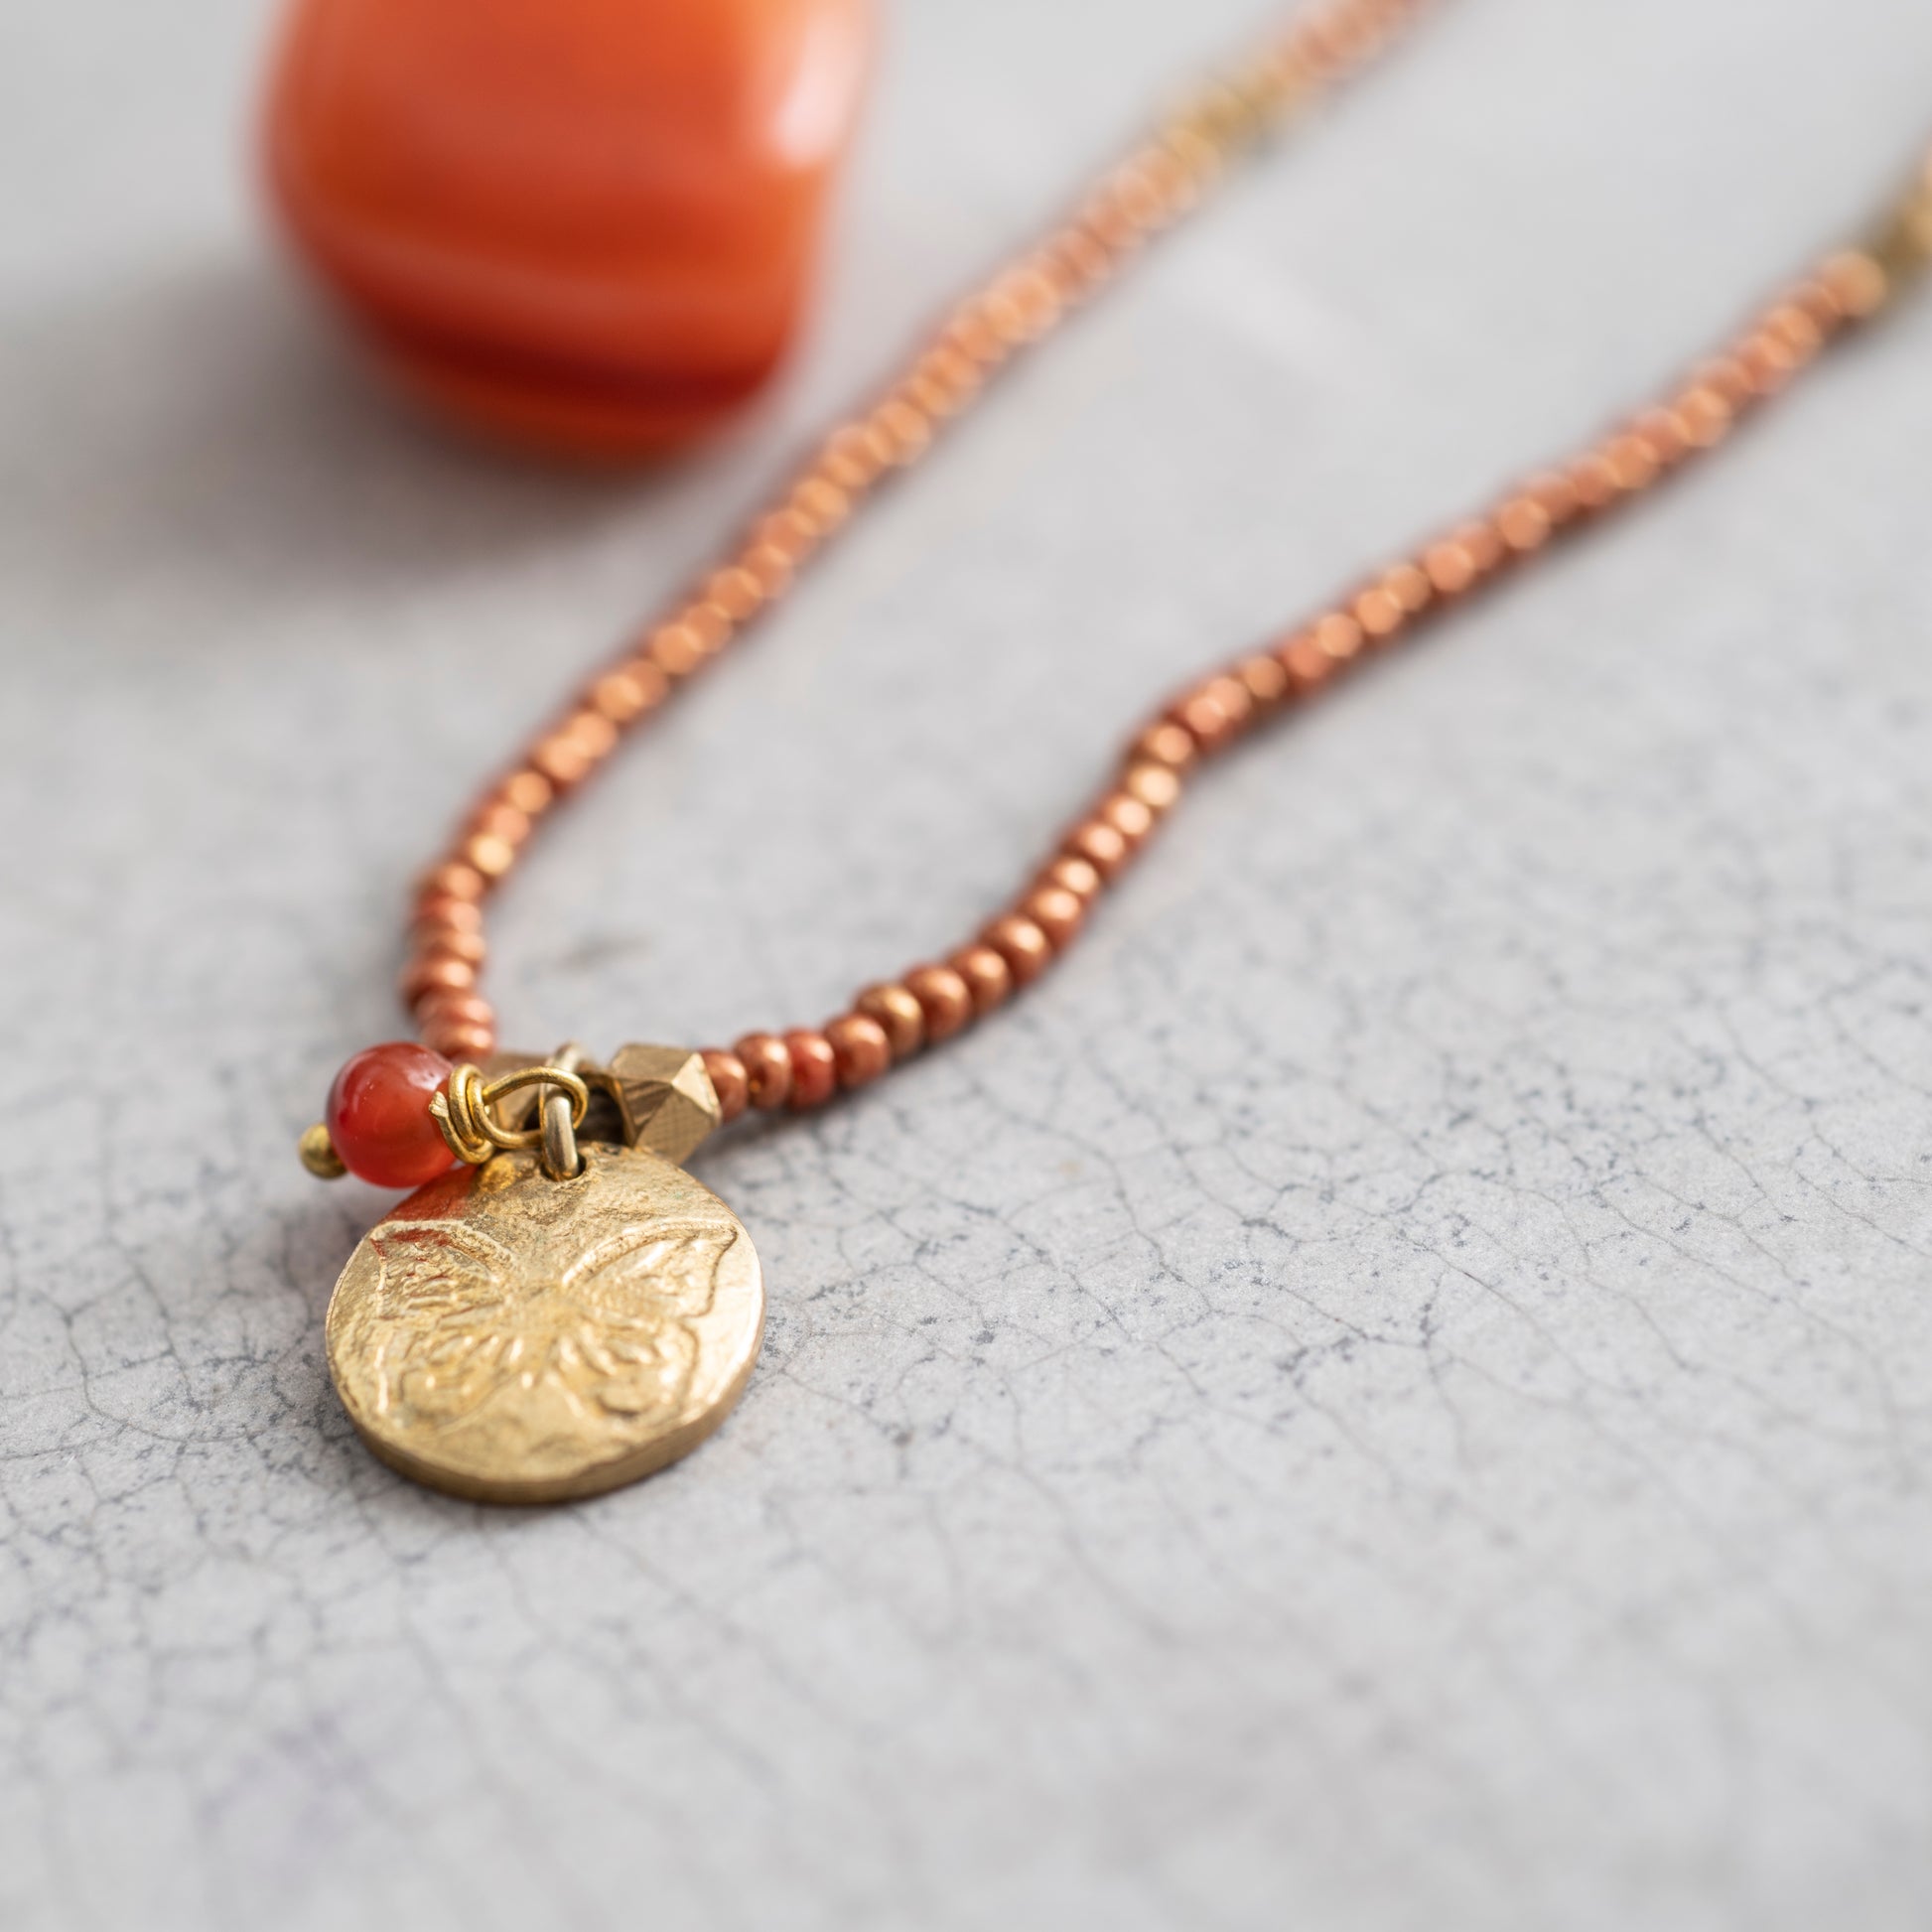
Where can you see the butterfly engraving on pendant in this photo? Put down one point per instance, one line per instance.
(476, 1336)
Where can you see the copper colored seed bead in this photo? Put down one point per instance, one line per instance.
(449, 915)
(710, 623)
(1100, 845)
(1198, 157)
(947, 366)
(905, 428)
(1706, 416)
(1408, 586)
(1789, 324)
(1075, 876)
(1080, 262)
(1814, 296)
(1135, 198)
(490, 854)
(1005, 317)
(1555, 495)
(592, 732)
(1128, 816)
(1480, 539)
(1217, 712)
(427, 935)
(1379, 614)
(814, 1069)
(788, 531)
(1766, 361)
(767, 1068)
(969, 334)
(1451, 569)
(1167, 744)
(1631, 463)
(1593, 481)
(1339, 636)
(445, 942)
(455, 880)
(445, 1007)
(498, 821)
(1858, 286)
(987, 977)
(727, 1082)
(1266, 680)
(1155, 785)
(771, 566)
(938, 399)
(847, 468)
(1024, 946)
(675, 650)
(561, 761)
(1309, 48)
(459, 1040)
(734, 591)
(853, 458)
(436, 973)
(945, 999)
(1308, 665)
(625, 693)
(1163, 181)
(443, 1020)
(860, 1052)
(1199, 714)
(1524, 524)
(1057, 912)
(1662, 433)
(529, 791)
(1787, 337)
(1725, 378)
(1110, 222)
(898, 1010)
(822, 503)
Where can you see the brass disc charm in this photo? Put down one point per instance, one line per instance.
(514, 1339)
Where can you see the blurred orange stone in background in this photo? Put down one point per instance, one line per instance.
(584, 224)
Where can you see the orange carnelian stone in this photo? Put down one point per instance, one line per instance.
(378, 1115)
(584, 223)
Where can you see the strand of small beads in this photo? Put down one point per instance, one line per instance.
(376, 1123)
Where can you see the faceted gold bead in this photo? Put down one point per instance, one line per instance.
(665, 1098)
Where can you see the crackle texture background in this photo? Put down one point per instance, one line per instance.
(1395, 1391)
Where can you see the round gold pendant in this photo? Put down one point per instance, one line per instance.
(517, 1340)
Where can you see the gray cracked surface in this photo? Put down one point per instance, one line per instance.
(1395, 1391)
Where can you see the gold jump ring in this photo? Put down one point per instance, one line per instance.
(467, 1118)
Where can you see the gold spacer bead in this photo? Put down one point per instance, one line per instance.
(1902, 245)
(319, 1153)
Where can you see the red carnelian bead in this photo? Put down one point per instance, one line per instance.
(380, 1119)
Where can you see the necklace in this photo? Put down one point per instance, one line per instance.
(559, 1308)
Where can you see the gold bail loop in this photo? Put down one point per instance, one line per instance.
(469, 1126)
